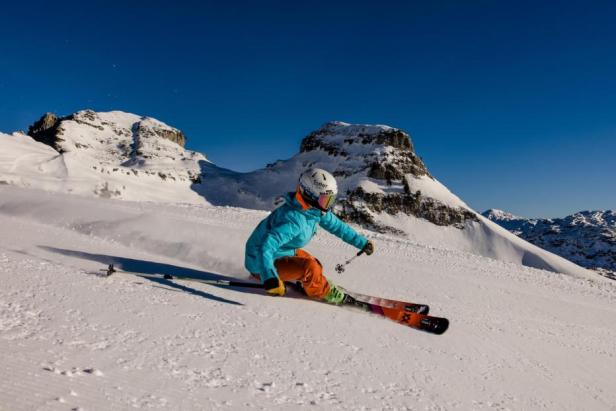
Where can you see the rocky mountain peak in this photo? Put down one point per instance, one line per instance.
(338, 133)
(380, 173)
(387, 152)
(50, 129)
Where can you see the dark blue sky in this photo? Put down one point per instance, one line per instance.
(511, 104)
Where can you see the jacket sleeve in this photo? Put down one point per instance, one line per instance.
(277, 236)
(340, 229)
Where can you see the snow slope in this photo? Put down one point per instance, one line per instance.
(520, 338)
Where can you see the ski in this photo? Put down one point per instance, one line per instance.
(402, 312)
(399, 311)
(388, 303)
(428, 323)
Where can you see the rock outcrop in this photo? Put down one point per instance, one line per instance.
(358, 206)
(395, 158)
(49, 128)
(45, 130)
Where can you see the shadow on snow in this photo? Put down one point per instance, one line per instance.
(137, 267)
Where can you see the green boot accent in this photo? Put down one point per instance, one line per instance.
(335, 295)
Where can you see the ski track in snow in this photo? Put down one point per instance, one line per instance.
(520, 338)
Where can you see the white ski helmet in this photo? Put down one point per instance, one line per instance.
(318, 188)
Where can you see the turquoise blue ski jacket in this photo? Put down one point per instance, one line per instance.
(288, 228)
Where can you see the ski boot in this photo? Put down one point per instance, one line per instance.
(337, 296)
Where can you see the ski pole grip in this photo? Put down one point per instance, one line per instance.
(360, 253)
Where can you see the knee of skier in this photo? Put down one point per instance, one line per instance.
(313, 267)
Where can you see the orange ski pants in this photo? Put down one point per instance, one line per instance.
(304, 267)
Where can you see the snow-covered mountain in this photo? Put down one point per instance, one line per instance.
(110, 155)
(384, 185)
(587, 238)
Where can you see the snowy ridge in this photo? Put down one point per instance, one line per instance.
(72, 340)
(587, 238)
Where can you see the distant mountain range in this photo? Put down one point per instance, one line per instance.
(384, 186)
(587, 238)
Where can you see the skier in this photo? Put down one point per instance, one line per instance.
(274, 250)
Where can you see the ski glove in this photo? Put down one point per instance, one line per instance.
(274, 286)
(368, 248)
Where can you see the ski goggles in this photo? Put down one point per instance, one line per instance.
(326, 201)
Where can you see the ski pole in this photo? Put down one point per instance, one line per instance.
(341, 267)
(225, 283)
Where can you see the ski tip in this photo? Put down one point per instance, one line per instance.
(434, 325)
(440, 326)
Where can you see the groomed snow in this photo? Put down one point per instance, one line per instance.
(520, 338)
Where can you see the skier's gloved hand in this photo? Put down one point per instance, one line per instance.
(368, 248)
(274, 286)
